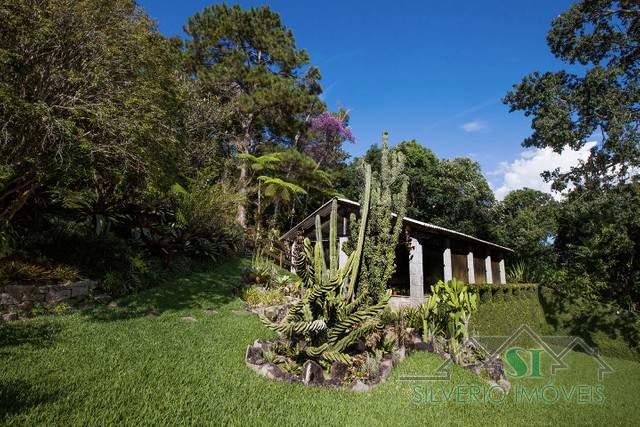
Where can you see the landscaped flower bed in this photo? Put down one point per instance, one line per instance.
(337, 335)
(361, 374)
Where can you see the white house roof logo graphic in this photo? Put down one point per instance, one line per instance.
(562, 344)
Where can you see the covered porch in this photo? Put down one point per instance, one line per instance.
(425, 254)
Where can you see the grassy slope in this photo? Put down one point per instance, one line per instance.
(118, 366)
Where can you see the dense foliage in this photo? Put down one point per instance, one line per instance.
(123, 151)
(597, 235)
(119, 147)
(335, 311)
(449, 193)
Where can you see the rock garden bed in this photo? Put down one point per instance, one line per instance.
(261, 358)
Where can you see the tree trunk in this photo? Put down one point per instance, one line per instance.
(242, 208)
(244, 146)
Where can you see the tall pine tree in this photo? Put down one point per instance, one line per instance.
(249, 59)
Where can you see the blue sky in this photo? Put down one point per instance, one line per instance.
(434, 71)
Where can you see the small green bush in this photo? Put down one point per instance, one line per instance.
(255, 296)
(16, 271)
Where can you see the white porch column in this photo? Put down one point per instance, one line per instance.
(293, 251)
(471, 278)
(448, 265)
(503, 272)
(489, 270)
(342, 256)
(416, 277)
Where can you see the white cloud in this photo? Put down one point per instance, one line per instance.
(525, 171)
(474, 126)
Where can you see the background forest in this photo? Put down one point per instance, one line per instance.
(125, 154)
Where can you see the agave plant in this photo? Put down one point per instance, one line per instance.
(332, 315)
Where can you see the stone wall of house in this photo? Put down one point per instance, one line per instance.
(22, 298)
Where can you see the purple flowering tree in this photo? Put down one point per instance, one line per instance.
(327, 133)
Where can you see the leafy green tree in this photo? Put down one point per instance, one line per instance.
(285, 179)
(249, 59)
(598, 242)
(449, 193)
(302, 170)
(89, 99)
(603, 102)
(462, 198)
(597, 224)
(527, 224)
(278, 192)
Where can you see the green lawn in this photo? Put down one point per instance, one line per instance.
(123, 366)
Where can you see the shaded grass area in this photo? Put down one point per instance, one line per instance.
(142, 363)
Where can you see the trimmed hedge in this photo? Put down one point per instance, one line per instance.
(493, 292)
(499, 314)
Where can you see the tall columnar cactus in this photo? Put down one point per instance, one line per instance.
(384, 225)
(331, 316)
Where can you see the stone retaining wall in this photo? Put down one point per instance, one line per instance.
(24, 297)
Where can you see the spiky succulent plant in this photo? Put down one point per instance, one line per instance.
(332, 316)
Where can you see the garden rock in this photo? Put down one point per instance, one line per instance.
(312, 373)
(385, 369)
(9, 317)
(338, 373)
(360, 386)
(271, 313)
(58, 294)
(273, 372)
(400, 354)
(7, 299)
(262, 344)
(253, 355)
(189, 319)
(495, 369)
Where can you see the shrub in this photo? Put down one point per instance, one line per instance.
(19, 271)
(447, 313)
(257, 297)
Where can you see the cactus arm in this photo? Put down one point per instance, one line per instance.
(333, 237)
(364, 213)
(320, 264)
